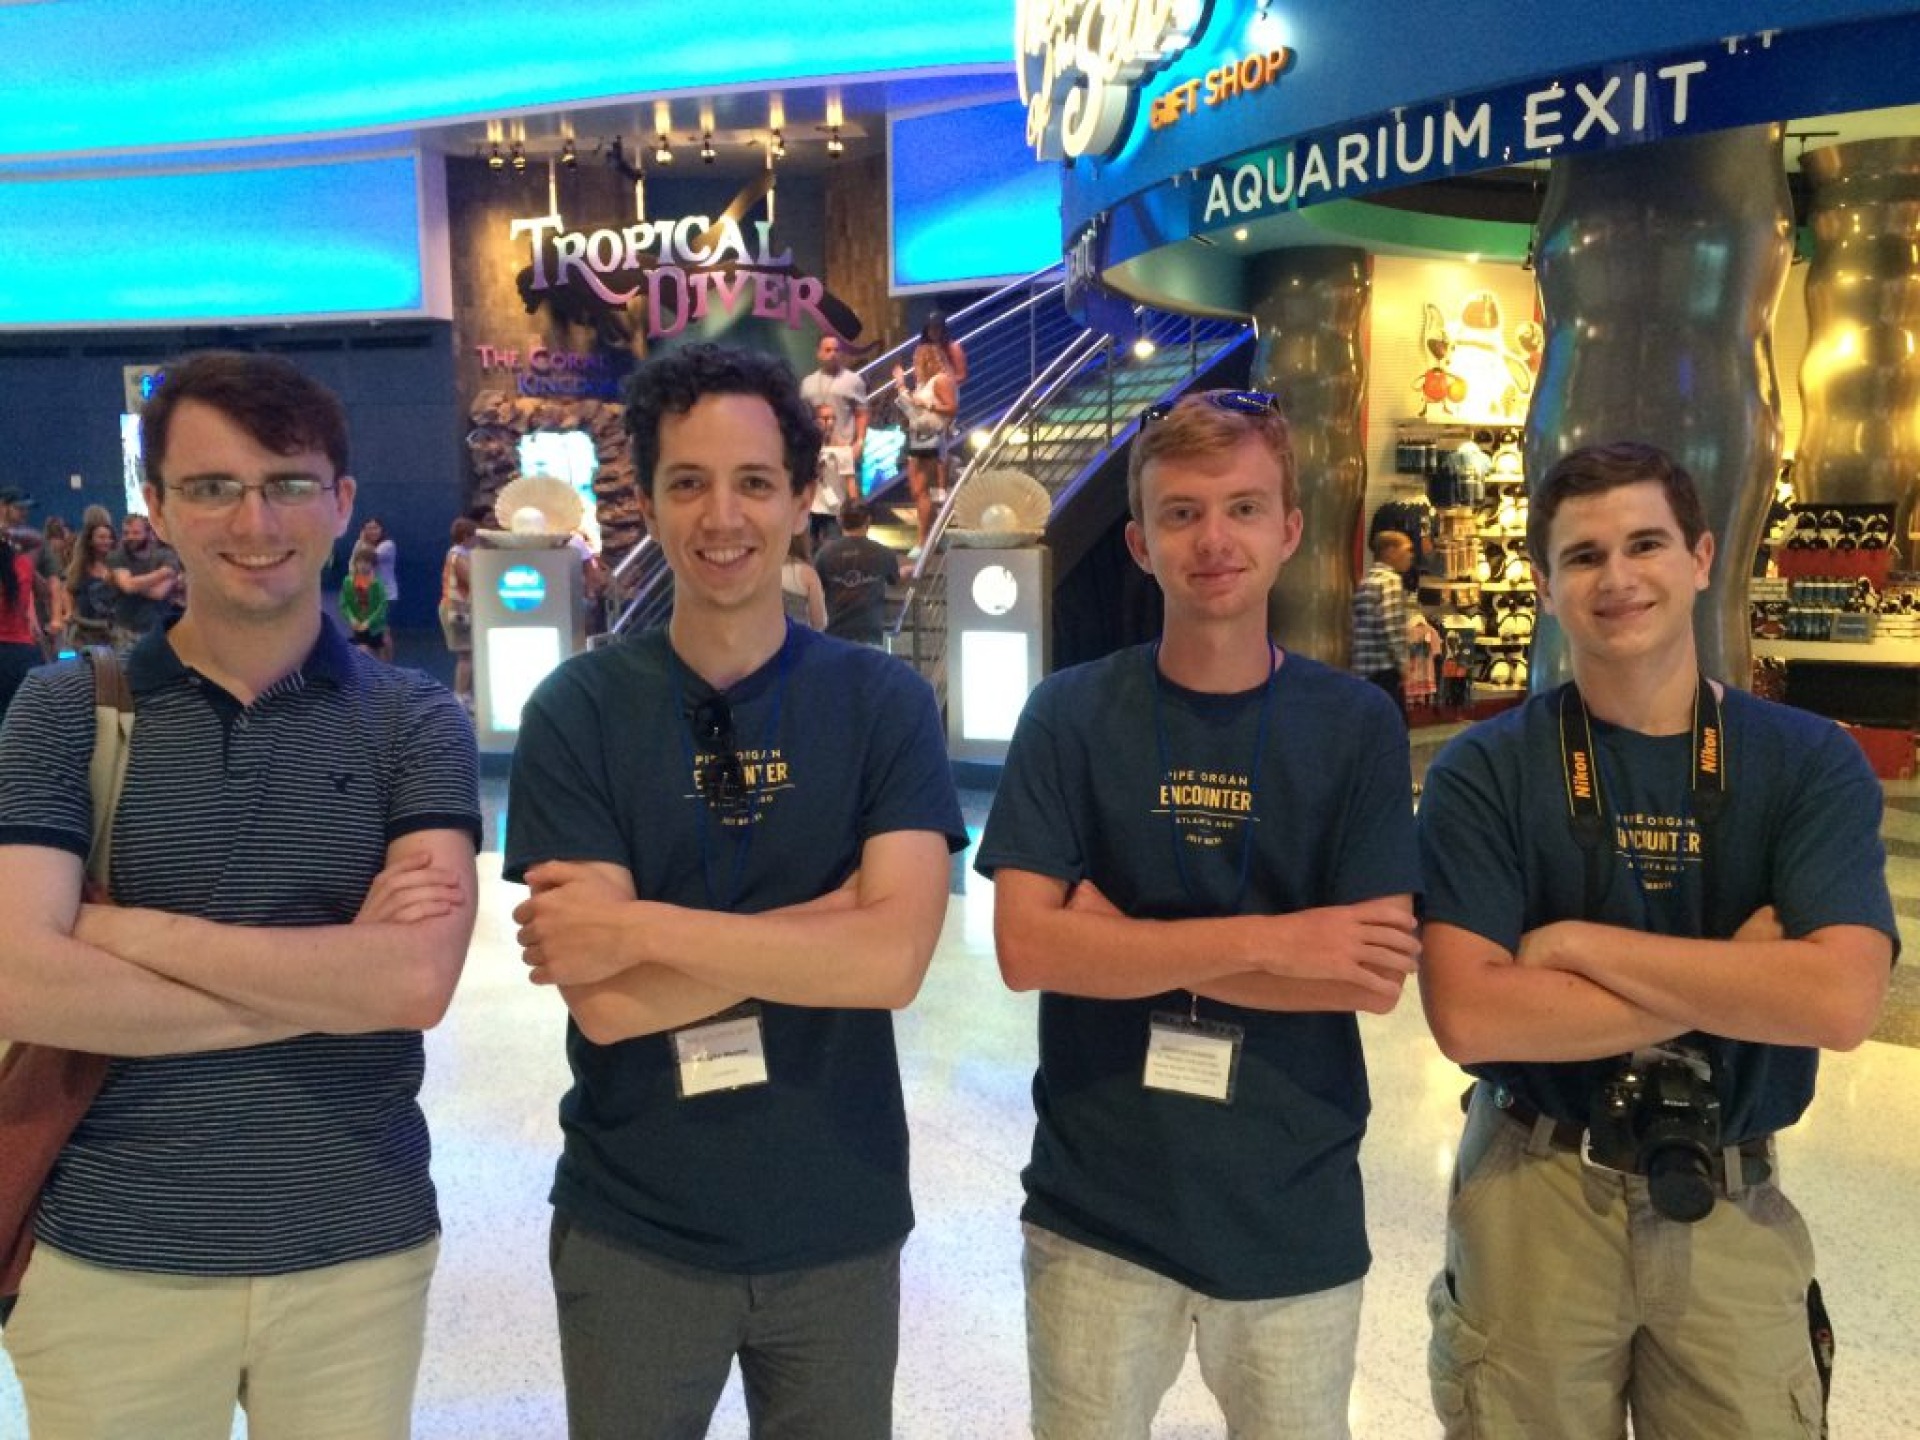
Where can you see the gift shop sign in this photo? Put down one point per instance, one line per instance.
(681, 270)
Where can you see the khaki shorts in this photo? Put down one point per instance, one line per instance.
(456, 625)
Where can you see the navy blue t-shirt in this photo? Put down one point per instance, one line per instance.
(1155, 800)
(838, 744)
(1800, 831)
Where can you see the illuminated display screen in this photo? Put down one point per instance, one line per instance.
(279, 241)
(994, 663)
(970, 203)
(518, 659)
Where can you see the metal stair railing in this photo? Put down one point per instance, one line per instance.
(1059, 429)
(1007, 336)
(1028, 326)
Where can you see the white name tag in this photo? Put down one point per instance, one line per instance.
(728, 1053)
(1193, 1057)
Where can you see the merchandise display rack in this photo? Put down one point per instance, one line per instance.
(1476, 585)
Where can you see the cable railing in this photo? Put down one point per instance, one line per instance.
(1008, 336)
(1058, 430)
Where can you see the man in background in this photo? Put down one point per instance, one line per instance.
(1380, 617)
(147, 573)
(856, 571)
(832, 384)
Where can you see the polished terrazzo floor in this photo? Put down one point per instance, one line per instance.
(496, 1071)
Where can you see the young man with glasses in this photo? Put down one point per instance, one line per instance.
(1652, 900)
(245, 1214)
(736, 835)
(1201, 857)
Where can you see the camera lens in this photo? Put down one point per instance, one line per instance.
(1679, 1183)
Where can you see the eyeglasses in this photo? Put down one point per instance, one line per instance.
(1240, 402)
(223, 492)
(722, 779)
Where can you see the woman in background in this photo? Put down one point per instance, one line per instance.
(456, 606)
(800, 588)
(930, 406)
(87, 609)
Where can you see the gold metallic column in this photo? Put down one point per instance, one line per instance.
(1860, 382)
(1660, 267)
(1310, 316)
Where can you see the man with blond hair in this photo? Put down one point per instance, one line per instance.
(1201, 858)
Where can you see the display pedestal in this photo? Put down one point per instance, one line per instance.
(528, 615)
(999, 629)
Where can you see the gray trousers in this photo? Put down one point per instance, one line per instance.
(646, 1343)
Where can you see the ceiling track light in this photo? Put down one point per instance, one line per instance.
(662, 152)
(778, 148)
(495, 160)
(519, 156)
(569, 157)
(834, 143)
(706, 148)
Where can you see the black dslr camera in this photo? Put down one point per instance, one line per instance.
(1660, 1119)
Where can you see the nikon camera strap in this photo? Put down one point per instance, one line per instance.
(1587, 812)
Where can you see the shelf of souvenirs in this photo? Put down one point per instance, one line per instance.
(1841, 652)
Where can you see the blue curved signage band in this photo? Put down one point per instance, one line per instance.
(1286, 145)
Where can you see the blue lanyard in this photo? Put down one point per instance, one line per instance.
(1253, 781)
(754, 792)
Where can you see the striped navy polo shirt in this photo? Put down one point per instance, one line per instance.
(306, 1152)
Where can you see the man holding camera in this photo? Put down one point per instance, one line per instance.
(1651, 901)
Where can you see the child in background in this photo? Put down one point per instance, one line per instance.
(835, 482)
(363, 603)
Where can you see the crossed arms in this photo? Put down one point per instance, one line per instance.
(1072, 940)
(628, 967)
(1579, 990)
(148, 982)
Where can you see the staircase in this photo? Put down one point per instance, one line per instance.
(1043, 395)
(1062, 430)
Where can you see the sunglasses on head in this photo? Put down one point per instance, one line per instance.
(1240, 402)
(722, 779)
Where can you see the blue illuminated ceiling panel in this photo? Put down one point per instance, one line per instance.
(264, 243)
(102, 76)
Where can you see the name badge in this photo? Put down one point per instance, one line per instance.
(1193, 1057)
(728, 1052)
